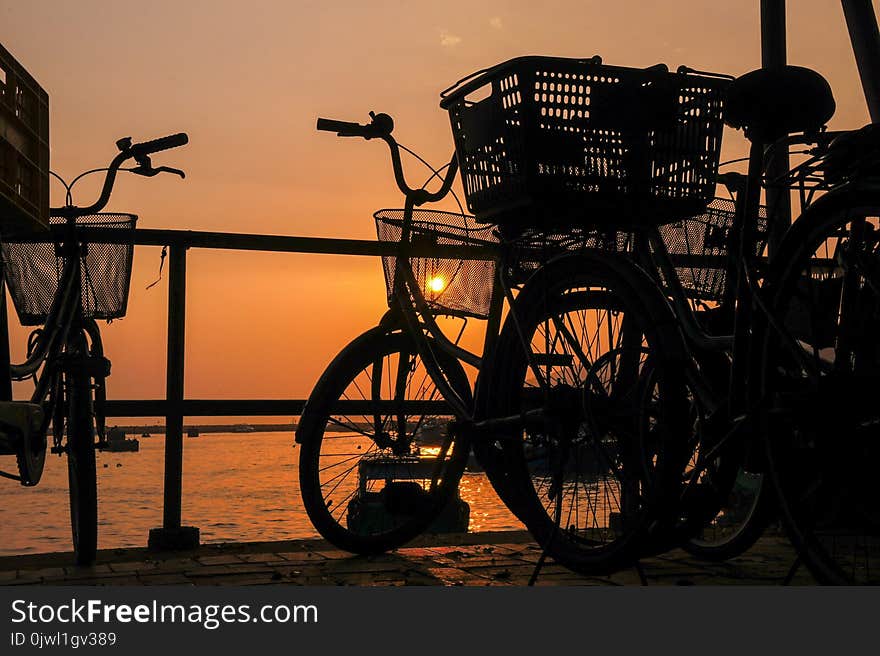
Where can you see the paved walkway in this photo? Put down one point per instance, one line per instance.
(502, 558)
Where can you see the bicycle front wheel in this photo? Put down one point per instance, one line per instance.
(821, 369)
(81, 468)
(378, 463)
(730, 503)
(596, 478)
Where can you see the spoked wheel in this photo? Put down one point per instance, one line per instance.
(730, 507)
(727, 501)
(823, 376)
(81, 468)
(378, 462)
(595, 474)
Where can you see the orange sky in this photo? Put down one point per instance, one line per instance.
(247, 80)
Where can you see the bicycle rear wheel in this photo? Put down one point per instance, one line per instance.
(740, 510)
(823, 374)
(378, 463)
(81, 467)
(595, 478)
(729, 505)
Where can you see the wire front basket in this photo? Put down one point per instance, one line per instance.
(698, 247)
(33, 271)
(451, 286)
(533, 249)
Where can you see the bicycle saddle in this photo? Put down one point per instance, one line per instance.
(771, 103)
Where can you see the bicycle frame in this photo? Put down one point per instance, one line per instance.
(741, 299)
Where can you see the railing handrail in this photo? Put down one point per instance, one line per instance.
(297, 244)
(175, 406)
(260, 242)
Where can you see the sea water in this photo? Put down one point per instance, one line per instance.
(236, 487)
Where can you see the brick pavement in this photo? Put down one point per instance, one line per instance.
(481, 559)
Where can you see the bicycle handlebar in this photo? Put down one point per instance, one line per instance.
(139, 152)
(160, 144)
(380, 127)
(342, 128)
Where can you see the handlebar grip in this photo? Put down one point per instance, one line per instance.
(162, 143)
(346, 127)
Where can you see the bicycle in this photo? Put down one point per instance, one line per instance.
(802, 355)
(64, 286)
(624, 379)
(798, 338)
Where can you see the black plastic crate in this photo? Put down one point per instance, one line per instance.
(550, 142)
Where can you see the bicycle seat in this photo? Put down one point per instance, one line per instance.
(771, 103)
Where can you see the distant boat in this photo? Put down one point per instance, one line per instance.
(118, 442)
(192, 432)
(145, 435)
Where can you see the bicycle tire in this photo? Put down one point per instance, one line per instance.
(368, 520)
(738, 523)
(822, 374)
(732, 503)
(81, 466)
(639, 473)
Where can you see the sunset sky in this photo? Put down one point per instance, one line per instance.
(246, 80)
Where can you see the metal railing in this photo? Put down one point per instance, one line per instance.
(174, 407)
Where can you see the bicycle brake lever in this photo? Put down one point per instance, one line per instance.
(168, 169)
(149, 171)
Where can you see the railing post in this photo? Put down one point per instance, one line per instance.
(172, 535)
(773, 46)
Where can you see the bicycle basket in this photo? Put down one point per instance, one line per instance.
(573, 142)
(33, 271)
(451, 286)
(533, 249)
(705, 237)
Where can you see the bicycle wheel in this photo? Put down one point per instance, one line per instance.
(821, 370)
(81, 468)
(732, 510)
(595, 477)
(378, 463)
(729, 503)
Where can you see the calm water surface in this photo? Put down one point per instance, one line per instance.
(236, 487)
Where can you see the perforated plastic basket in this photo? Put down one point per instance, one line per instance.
(451, 286)
(560, 142)
(33, 271)
(707, 235)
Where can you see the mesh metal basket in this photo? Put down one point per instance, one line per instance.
(562, 142)
(706, 236)
(451, 286)
(533, 249)
(33, 272)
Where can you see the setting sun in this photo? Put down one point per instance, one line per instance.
(436, 284)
